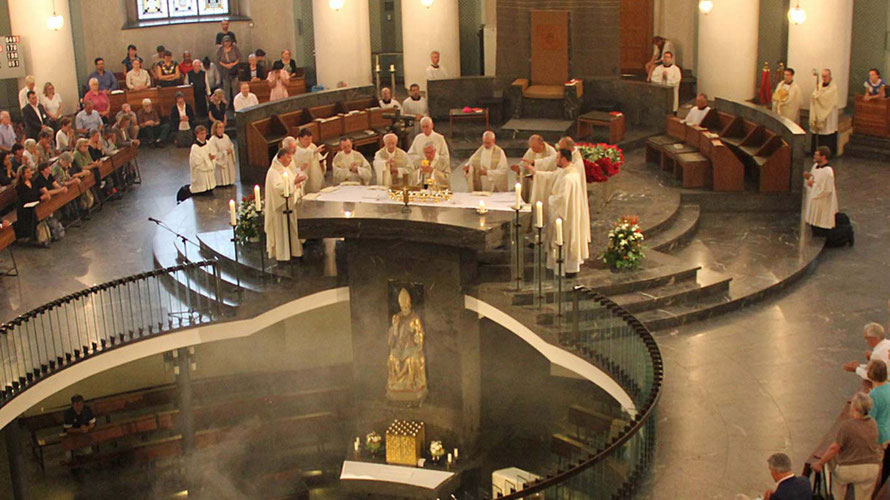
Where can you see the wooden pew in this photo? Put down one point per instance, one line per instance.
(263, 140)
(295, 86)
(871, 117)
(324, 111)
(773, 160)
(298, 120)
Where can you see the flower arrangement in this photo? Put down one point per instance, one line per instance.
(625, 250)
(248, 227)
(436, 449)
(374, 442)
(601, 161)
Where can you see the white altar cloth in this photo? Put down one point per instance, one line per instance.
(423, 478)
(373, 194)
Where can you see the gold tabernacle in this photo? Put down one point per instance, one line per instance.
(404, 442)
(420, 195)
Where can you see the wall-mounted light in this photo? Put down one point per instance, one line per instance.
(336, 4)
(797, 15)
(426, 3)
(55, 21)
(706, 6)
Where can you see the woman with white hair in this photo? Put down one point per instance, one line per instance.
(99, 99)
(31, 156)
(223, 150)
(855, 451)
(201, 164)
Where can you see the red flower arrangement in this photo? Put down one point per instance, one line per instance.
(601, 161)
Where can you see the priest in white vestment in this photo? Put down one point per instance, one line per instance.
(536, 155)
(698, 113)
(668, 74)
(223, 150)
(435, 71)
(277, 244)
(433, 165)
(428, 134)
(201, 163)
(487, 169)
(787, 98)
(350, 165)
(308, 158)
(542, 186)
(415, 104)
(824, 113)
(566, 201)
(386, 101)
(821, 196)
(391, 164)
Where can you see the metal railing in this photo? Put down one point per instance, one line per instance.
(72, 328)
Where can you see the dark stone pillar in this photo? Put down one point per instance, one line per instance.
(186, 415)
(13, 436)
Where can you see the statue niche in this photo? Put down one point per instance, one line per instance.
(406, 381)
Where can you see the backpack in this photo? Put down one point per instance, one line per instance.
(183, 194)
(842, 234)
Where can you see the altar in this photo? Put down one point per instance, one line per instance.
(397, 480)
(504, 202)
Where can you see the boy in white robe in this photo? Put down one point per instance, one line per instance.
(432, 165)
(280, 244)
(350, 165)
(392, 165)
(308, 158)
(786, 98)
(428, 134)
(486, 170)
(668, 74)
(201, 164)
(821, 199)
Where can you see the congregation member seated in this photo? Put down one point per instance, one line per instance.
(79, 418)
(218, 107)
(157, 57)
(668, 73)
(878, 349)
(45, 144)
(7, 172)
(7, 132)
(350, 165)
(788, 486)
(83, 160)
(197, 78)
(123, 131)
(287, 63)
(253, 71)
(699, 111)
(47, 184)
(99, 99)
(107, 80)
(415, 104)
(182, 119)
(134, 122)
(277, 79)
(109, 147)
(186, 65)
(34, 116)
(201, 164)
(31, 156)
(52, 104)
(127, 62)
(96, 151)
(228, 57)
(65, 137)
(875, 87)
(30, 85)
(213, 79)
(308, 158)
(386, 101)
(429, 135)
(223, 151)
(432, 165)
(65, 174)
(87, 120)
(26, 218)
(167, 71)
(151, 128)
(660, 46)
(391, 163)
(225, 32)
(138, 78)
(880, 396)
(486, 170)
(260, 57)
(245, 98)
(436, 71)
(18, 155)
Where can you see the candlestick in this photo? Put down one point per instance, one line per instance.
(286, 184)
(539, 214)
(559, 232)
(233, 215)
(455, 453)
(450, 459)
(518, 196)
(392, 68)
(256, 199)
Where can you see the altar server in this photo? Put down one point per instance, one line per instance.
(201, 163)
(426, 135)
(433, 165)
(487, 169)
(566, 201)
(308, 158)
(223, 150)
(698, 113)
(821, 200)
(392, 165)
(823, 113)
(435, 71)
(786, 98)
(415, 104)
(668, 74)
(386, 101)
(350, 165)
(280, 243)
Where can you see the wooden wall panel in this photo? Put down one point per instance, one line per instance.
(635, 34)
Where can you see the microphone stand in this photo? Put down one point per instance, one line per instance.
(191, 312)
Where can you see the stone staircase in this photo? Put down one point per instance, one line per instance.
(868, 147)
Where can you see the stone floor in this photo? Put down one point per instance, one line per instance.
(738, 387)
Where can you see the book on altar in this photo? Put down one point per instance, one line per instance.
(330, 189)
(481, 193)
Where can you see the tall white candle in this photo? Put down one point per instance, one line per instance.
(256, 199)
(377, 68)
(392, 68)
(233, 215)
(539, 214)
(455, 453)
(518, 196)
(559, 231)
(286, 184)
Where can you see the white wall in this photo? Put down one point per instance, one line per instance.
(727, 49)
(48, 55)
(823, 41)
(425, 30)
(675, 20)
(342, 43)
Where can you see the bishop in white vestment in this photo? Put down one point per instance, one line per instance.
(786, 98)
(201, 164)
(487, 169)
(821, 200)
(277, 185)
(392, 165)
(350, 165)
(307, 157)
(427, 135)
(433, 165)
(668, 74)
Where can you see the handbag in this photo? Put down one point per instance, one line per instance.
(822, 486)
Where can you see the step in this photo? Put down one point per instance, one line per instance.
(230, 279)
(678, 233)
(867, 152)
(707, 283)
(674, 315)
(205, 290)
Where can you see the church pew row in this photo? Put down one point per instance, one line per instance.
(871, 117)
(295, 86)
(162, 99)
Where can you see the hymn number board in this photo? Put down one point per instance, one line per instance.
(12, 59)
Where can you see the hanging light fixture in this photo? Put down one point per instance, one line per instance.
(706, 6)
(336, 4)
(55, 21)
(426, 3)
(797, 15)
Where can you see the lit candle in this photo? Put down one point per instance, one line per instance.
(356, 444)
(256, 199)
(377, 68)
(392, 68)
(450, 460)
(518, 196)
(233, 215)
(455, 453)
(481, 205)
(559, 231)
(539, 214)
(286, 184)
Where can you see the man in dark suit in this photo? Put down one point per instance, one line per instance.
(788, 486)
(34, 115)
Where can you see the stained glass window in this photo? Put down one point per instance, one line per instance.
(213, 7)
(151, 10)
(183, 8)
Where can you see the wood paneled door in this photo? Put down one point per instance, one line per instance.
(635, 28)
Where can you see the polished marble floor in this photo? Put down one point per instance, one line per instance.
(738, 387)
